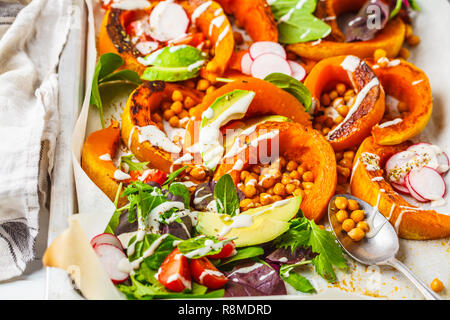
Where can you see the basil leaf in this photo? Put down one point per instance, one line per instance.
(244, 253)
(397, 8)
(176, 63)
(296, 22)
(127, 75)
(293, 86)
(171, 177)
(179, 189)
(132, 165)
(298, 282)
(226, 196)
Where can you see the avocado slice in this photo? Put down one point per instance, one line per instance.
(231, 106)
(261, 225)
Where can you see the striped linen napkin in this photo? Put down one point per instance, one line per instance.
(31, 39)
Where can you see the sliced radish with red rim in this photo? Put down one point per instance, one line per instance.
(396, 166)
(269, 63)
(427, 154)
(400, 188)
(427, 183)
(298, 72)
(168, 21)
(106, 238)
(414, 193)
(110, 257)
(246, 63)
(262, 47)
(444, 163)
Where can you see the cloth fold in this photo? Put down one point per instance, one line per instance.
(29, 124)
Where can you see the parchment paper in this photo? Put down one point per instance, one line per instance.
(428, 259)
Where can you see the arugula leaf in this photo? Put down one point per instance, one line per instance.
(226, 196)
(296, 22)
(397, 8)
(106, 65)
(171, 177)
(244, 253)
(292, 86)
(201, 246)
(298, 282)
(132, 165)
(179, 189)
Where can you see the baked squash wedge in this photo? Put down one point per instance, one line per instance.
(369, 105)
(390, 38)
(408, 84)
(96, 159)
(409, 221)
(304, 145)
(140, 133)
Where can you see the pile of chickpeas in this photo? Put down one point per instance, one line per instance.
(266, 184)
(352, 223)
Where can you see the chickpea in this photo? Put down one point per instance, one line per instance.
(270, 191)
(189, 102)
(282, 162)
(356, 234)
(210, 90)
(325, 131)
(166, 105)
(329, 122)
(333, 94)
(168, 114)
(265, 199)
(364, 226)
(338, 119)
(291, 165)
(183, 114)
(156, 117)
(347, 163)
(267, 182)
(413, 40)
(198, 173)
(325, 100)
(249, 191)
(404, 53)
(286, 179)
(357, 215)
(176, 107)
(279, 189)
(191, 112)
(256, 169)
(246, 204)
(341, 215)
(352, 205)
(337, 102)
(378, 54)
(290, 188)
(343, 171)
(340, 88)
(437, 285)
(349, 93)
(174, 121)
(349, 155)
(348, 224)
(294, 174)
(177, 95)
(308, 176)
(409, 31)
(343, 110)
(276, 198)
(299, 192)
(300, 171)
(341, 203)
(244, 174)
(160, 126)
(202, 84)
(250, 179)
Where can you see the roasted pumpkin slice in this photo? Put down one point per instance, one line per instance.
(141, 134)
(390, 38)
(96, 159)
(406, 83)
(255, 16)
(295, 142)
(409, 221)
(368, 107)
(113, 36)
(268, 100)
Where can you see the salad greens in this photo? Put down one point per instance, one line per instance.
(201, 246)
(296, 22)
(132, 165)
(226, 196)
(104, 72)
(408, 4)
(292, 86)
(175, 63)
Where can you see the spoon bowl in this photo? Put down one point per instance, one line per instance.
(378, 247)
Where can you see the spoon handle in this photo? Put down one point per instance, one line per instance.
(426, 291)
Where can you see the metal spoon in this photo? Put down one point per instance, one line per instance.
(380, 248)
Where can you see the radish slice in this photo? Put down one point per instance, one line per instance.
(246, 63)
(400, 188)
(269, 63)
(396, 166)
(412, 192)
(298, 72)
(427, 183)
(444, 163)
(262, 47)
(427, 154)
(106, 238)
(110, 256)
(168, 21)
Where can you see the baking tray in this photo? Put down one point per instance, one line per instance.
(74, 65)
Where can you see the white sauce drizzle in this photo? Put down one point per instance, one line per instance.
(390, 123)
(120, 175)
(199, 10)
(105, 157)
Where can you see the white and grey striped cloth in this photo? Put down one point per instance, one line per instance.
(31, 39)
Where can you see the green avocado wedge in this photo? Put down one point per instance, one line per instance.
(252, 227)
